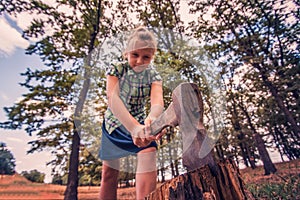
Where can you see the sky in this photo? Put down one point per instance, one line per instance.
(14, 61)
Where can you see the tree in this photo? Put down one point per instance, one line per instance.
(34, 176)
(89, 169)
(257, 40)
(45, 110)
(260, 144)
(7, 160)
(57, 179)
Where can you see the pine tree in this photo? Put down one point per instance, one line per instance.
(7, 160)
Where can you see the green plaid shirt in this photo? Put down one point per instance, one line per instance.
(134, 92)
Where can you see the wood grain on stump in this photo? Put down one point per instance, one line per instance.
(202, 184)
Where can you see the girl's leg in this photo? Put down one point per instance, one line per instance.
(109, 180)
(146, 172)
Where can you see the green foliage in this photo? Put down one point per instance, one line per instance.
(256, 44)
(42, 111)
(89, 169)
(34, 176)
(7, 160)
(57, 179)
(46, 110)
(285, 190)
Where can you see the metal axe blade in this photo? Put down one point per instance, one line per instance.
(186, 111)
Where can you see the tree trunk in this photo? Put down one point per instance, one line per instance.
(289, 117)
(269, 167)
(176, 168)
(202, 184)
(161, 161)
(243, 147)
(251, 159)
(170, 156)
(71, 190)
(261, 147)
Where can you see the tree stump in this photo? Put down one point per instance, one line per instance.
(205, 179)
(201, 184)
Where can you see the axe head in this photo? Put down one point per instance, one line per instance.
(186, 111)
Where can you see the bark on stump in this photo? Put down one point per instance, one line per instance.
(202, 184)
(205, 179)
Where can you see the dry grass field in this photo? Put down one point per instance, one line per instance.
(17, 187)
(285, 184)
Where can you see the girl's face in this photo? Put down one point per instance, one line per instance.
(139, 59)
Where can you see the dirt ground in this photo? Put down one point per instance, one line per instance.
(17, 187)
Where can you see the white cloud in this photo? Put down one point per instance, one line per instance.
(10, 38)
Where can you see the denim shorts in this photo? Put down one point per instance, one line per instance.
(118, 144)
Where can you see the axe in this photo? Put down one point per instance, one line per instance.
(186, 111)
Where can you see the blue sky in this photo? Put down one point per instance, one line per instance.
(14, 61)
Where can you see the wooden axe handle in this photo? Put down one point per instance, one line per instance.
(166, 119)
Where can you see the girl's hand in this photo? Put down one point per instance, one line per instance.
(150, 137)
(139, 136)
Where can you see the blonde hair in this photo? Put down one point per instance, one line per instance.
(140, 35)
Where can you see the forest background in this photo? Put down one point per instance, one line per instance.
(254, 46)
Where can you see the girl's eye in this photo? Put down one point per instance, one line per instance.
(135, 55)
(146, 57)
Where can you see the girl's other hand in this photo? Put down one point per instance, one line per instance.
(139, 136)
(150, 137)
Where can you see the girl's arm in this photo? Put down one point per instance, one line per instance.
(117, 106)
(157, 107)
(156, 100)
(120, 111)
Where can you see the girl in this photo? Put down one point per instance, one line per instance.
(125, 129)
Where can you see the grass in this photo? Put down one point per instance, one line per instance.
(287, 190)
(283, 185)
